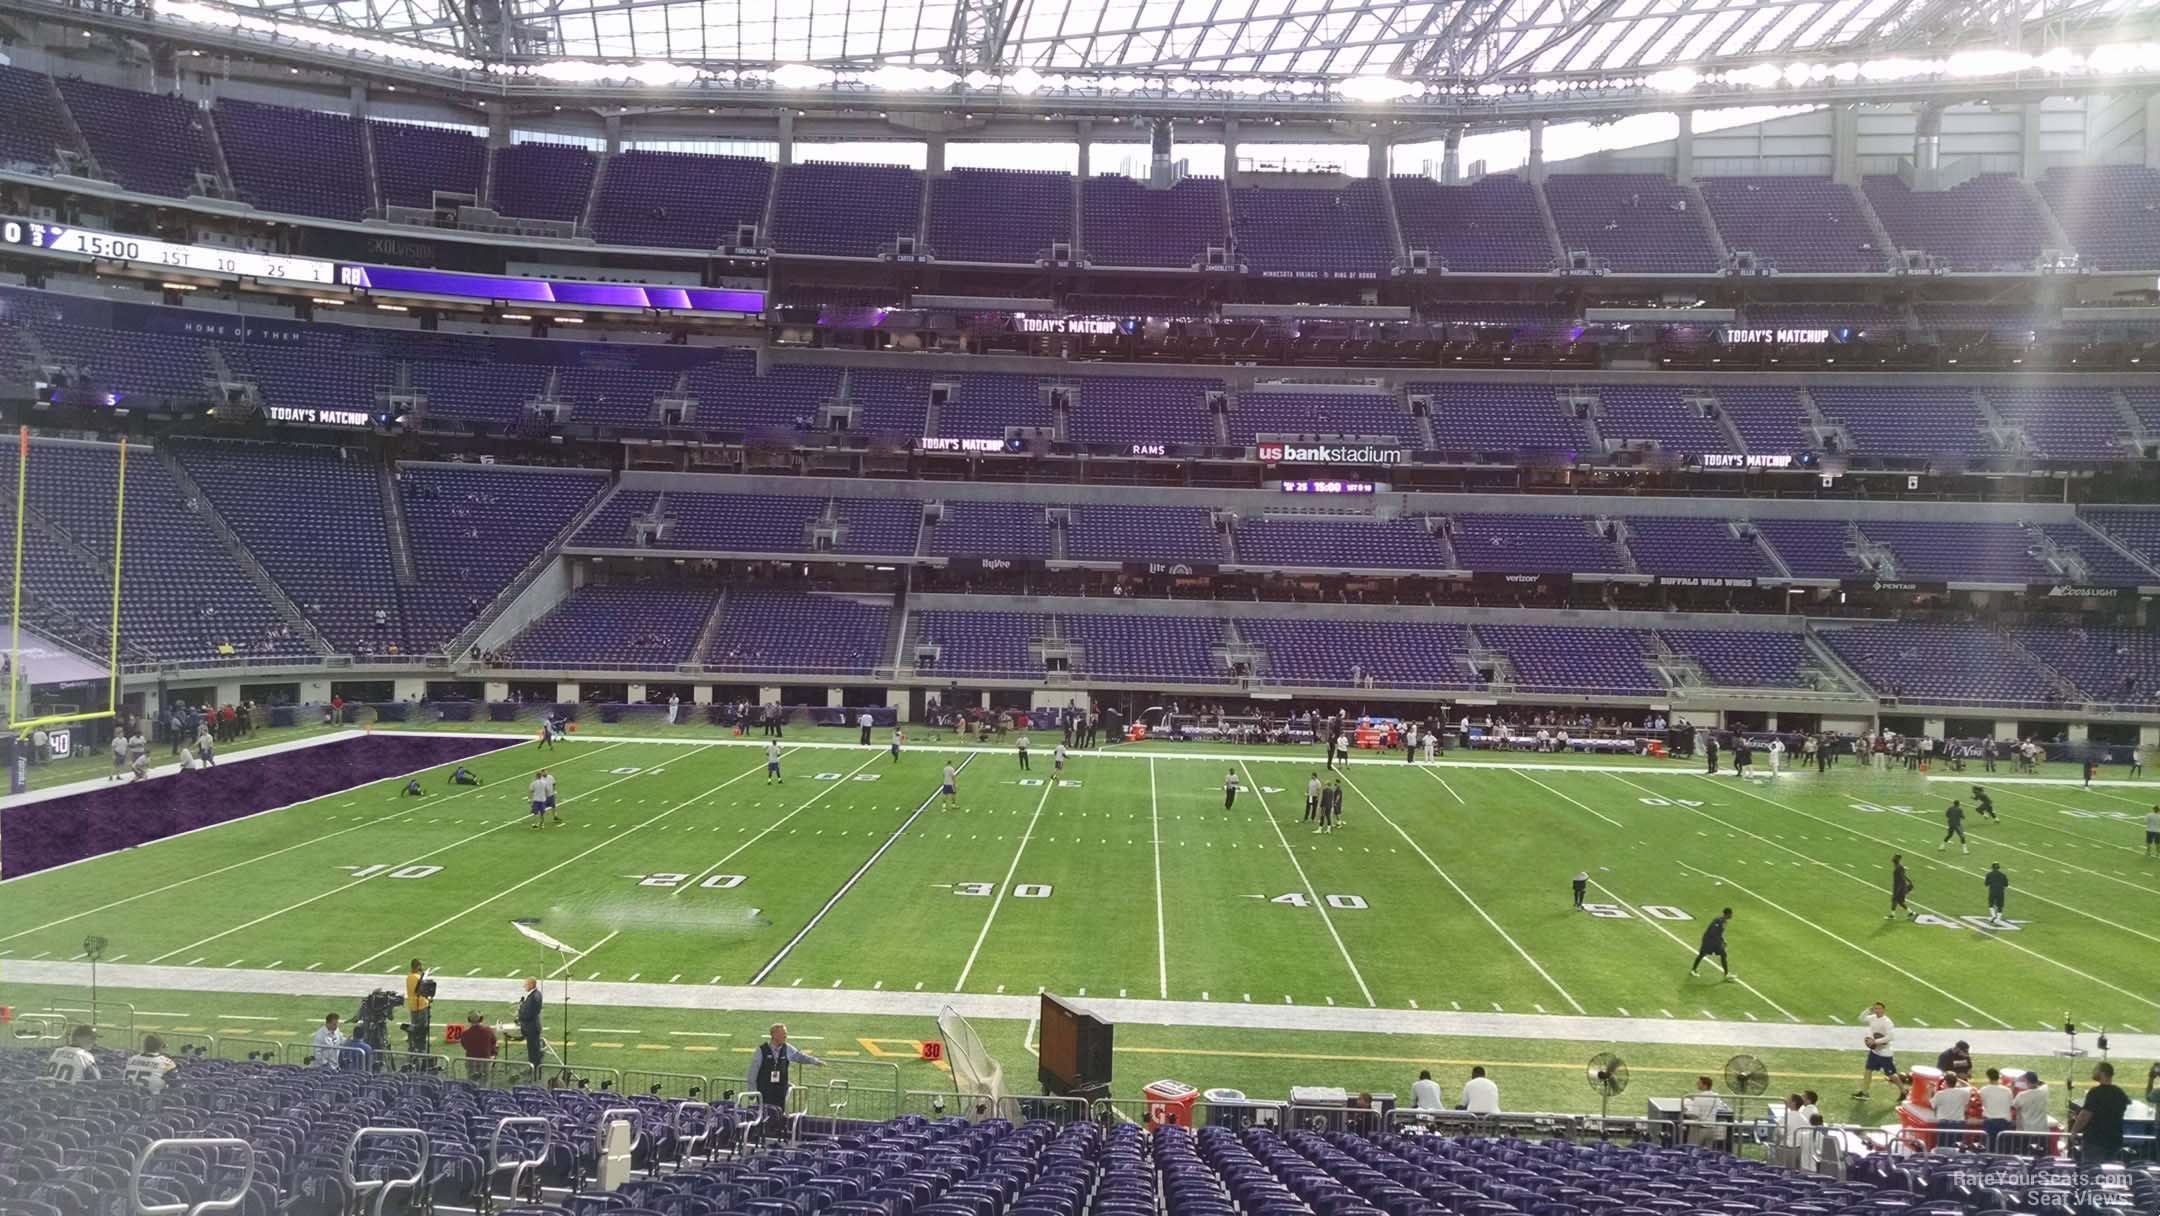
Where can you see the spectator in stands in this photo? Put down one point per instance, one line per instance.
(1700, 1109)
(1425, 1092)
(1480, 1095)
(148, 1069)
(73, 1063)
(328, 1042)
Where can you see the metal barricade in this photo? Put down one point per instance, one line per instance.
(189, 1043)
(106, 1015)
(230, 1203)
(518, 1166)
(1119, 1110)
(37, 1029)
(674, 1086)
(383, 1188)
(873, 1087)
(245, 1048)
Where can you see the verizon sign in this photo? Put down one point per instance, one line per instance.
(1328, 453)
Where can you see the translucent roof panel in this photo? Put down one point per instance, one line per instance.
(1424, 39)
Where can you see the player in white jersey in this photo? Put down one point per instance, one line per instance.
(772, 763)
(554, 819)
(1057, 760)
(539, 791)
(950, 791)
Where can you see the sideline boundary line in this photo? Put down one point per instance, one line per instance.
(1162, 948)
(1018, 1007)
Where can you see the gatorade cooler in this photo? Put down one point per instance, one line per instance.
(1170, 1102)
(1926, 1079)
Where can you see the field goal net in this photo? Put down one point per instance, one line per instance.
(21, 718)
(975, 1073)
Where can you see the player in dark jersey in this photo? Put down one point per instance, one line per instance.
(1901, 885)
(1713, 943)
(1998, 884)
(1954, 825)
(1984, 805)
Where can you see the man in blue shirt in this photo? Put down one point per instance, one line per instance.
(768, 1074)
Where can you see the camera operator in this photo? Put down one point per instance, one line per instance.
(419, 996)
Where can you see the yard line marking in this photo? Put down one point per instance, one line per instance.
(1557, 794)
(250, 861)
(576, 857)
(1319, 905)
(714, 868)
(1465, 896)
(312, 966)
(507, 823)
(1162, 950)
(960, 984)
(1852, 831)
(673, 978)
(573, 960)
(1853, 946)
(854, 878)
(1681, 942)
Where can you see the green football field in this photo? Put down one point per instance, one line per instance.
(851, 890)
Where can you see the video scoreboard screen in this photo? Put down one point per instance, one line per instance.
(199, 259)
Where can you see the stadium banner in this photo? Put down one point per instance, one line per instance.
(1895, 586)
(1501, 580)
(565, 293)
(1173, 569)
(1688, 580)
(1277, 452)
(993, 565)
(2072, 591)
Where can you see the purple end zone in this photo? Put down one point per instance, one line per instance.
(40, 835)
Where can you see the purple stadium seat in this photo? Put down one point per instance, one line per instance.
(848, 211)
(979, 644)
(542, 181)
(1339, 543)
(1563, 658)
(2111, 213)
(679, 200)
(780, 631)
(1491, 225)
(999, 215)
(1128, 224)
(1170, 648)
(1638, 223)
(1290, 231)
(1142, 409)
(413, 161)
(991, 529)
(2069, 423)
(1531, 543)
(1314, 414)
(1951, 664)
(1741, 658)
(1698, 546)
(1962, 552)
(35, 131)
(632, 628)
(297, 162)
(1936, 424)
(1512, 418)
(1800, 225)
(1659, 414)
(1813, 548)
(147, 142)
(1334, 653)
(1107, 532)
(1986, 223)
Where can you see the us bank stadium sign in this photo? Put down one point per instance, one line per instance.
(1329, 453)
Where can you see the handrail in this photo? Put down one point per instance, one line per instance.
(629, 1114)
(495, 1163)
(230, 1204)
(383, 1188)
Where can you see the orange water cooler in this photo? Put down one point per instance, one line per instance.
(1170, 1102)
(1916, 1114)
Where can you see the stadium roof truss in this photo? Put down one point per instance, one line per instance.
(1471, 41)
